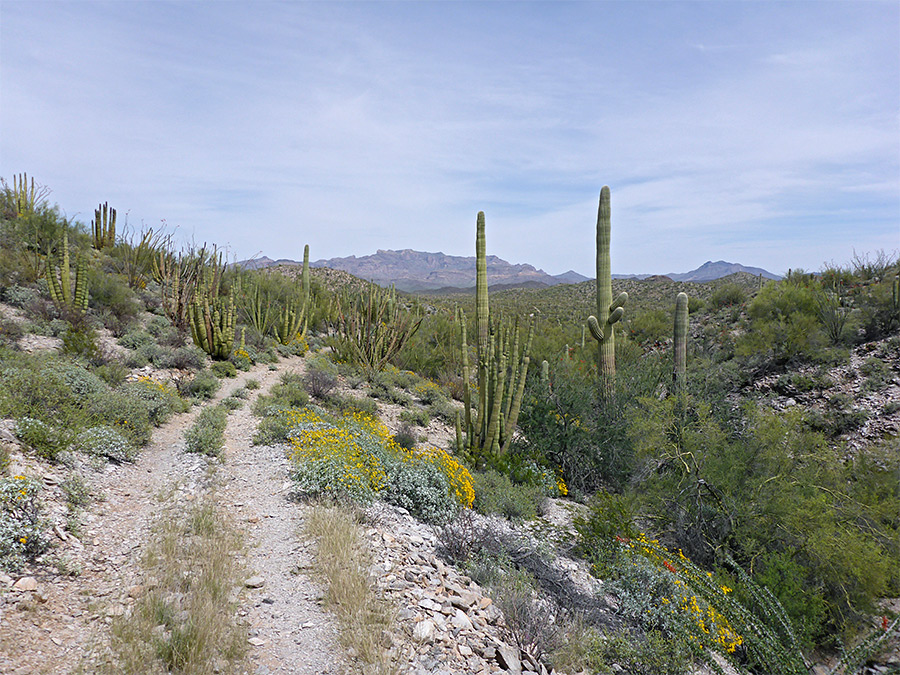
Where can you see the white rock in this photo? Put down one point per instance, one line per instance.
(424, 631)
(26, 584)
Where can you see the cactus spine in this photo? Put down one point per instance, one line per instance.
(502, 364)
(60, 284)
(681, 332)
(608, 311)
(104, 226)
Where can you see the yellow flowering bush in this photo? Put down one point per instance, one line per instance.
(21, 525)
(355, 456)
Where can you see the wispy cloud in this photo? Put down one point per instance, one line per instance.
(724, 132)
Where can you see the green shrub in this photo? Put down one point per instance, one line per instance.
(123, 410)
(113, 373)
(417, 416)
(495, 493)
(223, 369)
(10, 331)
(162, 400)
(232, 403)
(350, 404)
(609, 520)
(106, 442)
(252, 384)
(80, 339)
(202, 386)
(21, 524)
(728, 295)
(136, 338)
(76, 491)
(45, 440)
(287, 393)
(406, 437)
(207, 434)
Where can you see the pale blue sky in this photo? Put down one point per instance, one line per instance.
(766, 133)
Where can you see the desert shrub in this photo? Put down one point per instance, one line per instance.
(354, 456)
(406, 438)
(80, 339)
(649, 326)
(232, 403)
(185, 357)
(495, 493)
(352, 404)
(20, 296)
(608, 521)
(202, 386)
(10, 331)
(76, 491)
(44, 439)
(81, 382)
(113, 373)
(428, 392)
(136, 338)
(125, 410)
(320, 377)
(162, 400)
(252, 384)
(416, 416)
(727, 295)
(106, 442)
(289, 392)
(223, 369)
(111, 296)
(207, 434)
(34, 388)
(631, 651)
(21, 524)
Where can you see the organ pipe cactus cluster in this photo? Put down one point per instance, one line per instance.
(293, 322)
(104, 226)
(211, 318)
(681, 333)
(60, 284)
(609, 312)
(502, 363)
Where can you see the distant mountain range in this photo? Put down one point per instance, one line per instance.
(416, 271)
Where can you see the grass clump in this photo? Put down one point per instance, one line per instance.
(187, 623)
(202, 387)
(343, 561)
(207, 434)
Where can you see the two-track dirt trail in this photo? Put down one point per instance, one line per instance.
(52, 628)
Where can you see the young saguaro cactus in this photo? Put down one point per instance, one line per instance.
(681, 333)
(104, 226)
(608, 311)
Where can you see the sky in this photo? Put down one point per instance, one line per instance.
(764, 133)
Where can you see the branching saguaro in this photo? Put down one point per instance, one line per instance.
(609, 312)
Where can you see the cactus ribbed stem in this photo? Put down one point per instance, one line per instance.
(608, 312)
(681, 333)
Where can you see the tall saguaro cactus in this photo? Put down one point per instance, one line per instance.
(608, 311)
(104, 226)
(681, 332)
(502, 366)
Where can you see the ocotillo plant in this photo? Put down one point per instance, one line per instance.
(60, 284)
(502, 368)
(104, 226)
(608, 312)
(212, 318)
(680, 346)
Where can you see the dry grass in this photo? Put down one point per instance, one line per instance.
(343, 563)
(185, 623)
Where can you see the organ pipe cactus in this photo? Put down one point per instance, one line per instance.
(608, 311)
(60, 284)
(211, 318)
(681, 333)
(502, 367)
(104, 226)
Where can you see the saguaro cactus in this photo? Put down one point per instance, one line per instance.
(681, 332)
(104, 226)
(608, 311)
